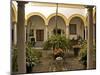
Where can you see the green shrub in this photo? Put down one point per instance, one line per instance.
(83, 53)
(32, 56)
(57, 41)
(14, 59)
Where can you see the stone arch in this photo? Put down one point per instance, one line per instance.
(94, 15)
(86, 19)
(13, 24)
(61, 24)
(14, 12)
(77, 15)
(77, 27)
(94, 24)
(59, 14)
(35, 13)
(36, 28)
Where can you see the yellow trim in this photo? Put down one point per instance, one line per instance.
(59, 14)
(94, 15)
(15, 12)
(35, 13)
(86, 19)
(77, 15)
(60, 5)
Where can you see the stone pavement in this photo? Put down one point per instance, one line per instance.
(48, 65)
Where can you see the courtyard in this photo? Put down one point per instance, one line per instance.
(37, 36)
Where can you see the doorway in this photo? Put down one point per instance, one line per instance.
(40, 35)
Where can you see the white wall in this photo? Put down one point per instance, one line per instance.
(46, 11)
(37, 23)
(60, 24)
(79, 27)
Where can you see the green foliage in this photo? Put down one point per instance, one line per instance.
(32, 56)
(94, 53)
(83, 52)
(77, 41)
(14, 59)
(57, 41)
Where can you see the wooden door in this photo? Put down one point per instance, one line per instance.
(40, 35)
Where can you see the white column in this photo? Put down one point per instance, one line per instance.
(85, 32)
(25, 33)
(67, 31)
(94, 33)
(46, 33)
(28, 32)
(35, 34)
(15, 33)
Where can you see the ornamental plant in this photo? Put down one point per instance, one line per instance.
(14, 59)
(57, 41)
(83, 53)
(32, 56)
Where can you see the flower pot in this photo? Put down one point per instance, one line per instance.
(29, 68)
(84, 66)
(76, 51)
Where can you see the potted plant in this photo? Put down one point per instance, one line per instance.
(57, 42)
(76, 44)
(32, 58)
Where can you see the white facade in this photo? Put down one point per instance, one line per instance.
(42, 17)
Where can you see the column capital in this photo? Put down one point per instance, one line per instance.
(86, 26)
(21, 3)
(67, 25)
(46, 25)
(89, 6)
(25, 25)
